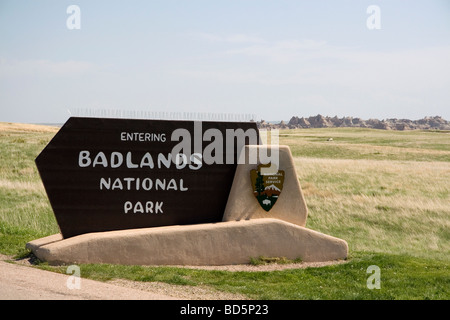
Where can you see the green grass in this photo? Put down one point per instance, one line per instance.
(401, 277)
(358, 143)
(25, 211)
(385, 192)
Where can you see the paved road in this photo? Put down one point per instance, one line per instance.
(18, 282)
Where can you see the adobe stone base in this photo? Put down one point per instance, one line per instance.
(223, 243)
(242, 204)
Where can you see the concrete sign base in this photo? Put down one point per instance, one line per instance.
(223, 243)
(290, 206)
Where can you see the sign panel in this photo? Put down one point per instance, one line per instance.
(112, 174)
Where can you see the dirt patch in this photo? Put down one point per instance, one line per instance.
(208, 293)
(266, 267)
(179, 291)
(3, 257)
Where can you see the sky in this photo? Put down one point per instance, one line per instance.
(275, 59)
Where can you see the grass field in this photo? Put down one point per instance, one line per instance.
(387, 193)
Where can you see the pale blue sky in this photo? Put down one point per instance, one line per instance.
(273, 58)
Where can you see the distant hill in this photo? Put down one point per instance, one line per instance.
(319, 121)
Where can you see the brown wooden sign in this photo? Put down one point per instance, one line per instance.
(112, 174)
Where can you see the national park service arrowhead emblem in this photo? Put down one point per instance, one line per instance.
(267, 185)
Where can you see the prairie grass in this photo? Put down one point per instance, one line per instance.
(388, 191)
(384, 206)
(25, 211)
(370, 144)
